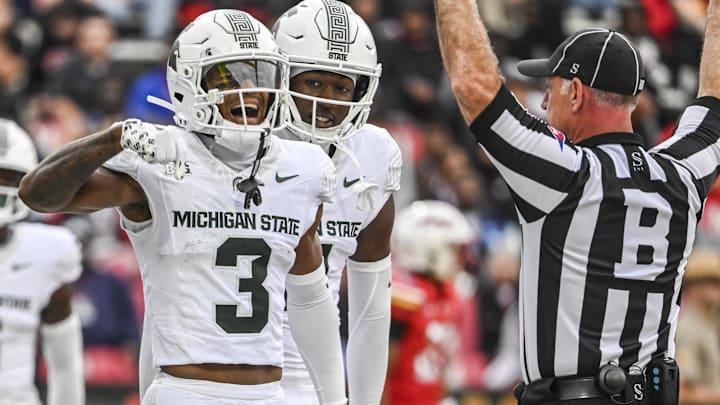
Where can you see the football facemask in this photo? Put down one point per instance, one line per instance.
(337, 41)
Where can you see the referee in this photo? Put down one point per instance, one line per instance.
(607, 224)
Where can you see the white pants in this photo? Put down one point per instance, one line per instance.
(168, 390)
(298, 387)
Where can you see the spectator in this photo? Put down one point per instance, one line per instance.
(53, 121)
(414, 68)
(14, 81)
(59, 21)
(581, 14)
(503, 269)
(159, 18)
(90, 78)
(698, 337)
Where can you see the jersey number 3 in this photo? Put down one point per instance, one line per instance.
(227, 256)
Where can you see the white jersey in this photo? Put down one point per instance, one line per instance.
(214, 272)
(381, 162)
(36, 261)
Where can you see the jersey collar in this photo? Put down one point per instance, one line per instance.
(628, 138)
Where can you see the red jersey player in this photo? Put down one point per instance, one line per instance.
(424, 340)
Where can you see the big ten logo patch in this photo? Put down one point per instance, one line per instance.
(170, 169)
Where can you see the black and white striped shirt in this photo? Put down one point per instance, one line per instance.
(607, 229)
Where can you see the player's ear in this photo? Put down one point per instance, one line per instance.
(577, 93)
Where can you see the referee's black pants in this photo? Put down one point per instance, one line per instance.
(543, 392)
(586, 401)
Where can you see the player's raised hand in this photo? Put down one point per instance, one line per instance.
(154, 143)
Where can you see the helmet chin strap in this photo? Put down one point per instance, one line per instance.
(241, 142)
(237, 152)
(251, 185)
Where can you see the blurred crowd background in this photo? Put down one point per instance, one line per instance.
(68, 68)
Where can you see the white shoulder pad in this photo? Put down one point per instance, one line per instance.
(381, 156)
(64, 249)
(392, 182)
(329, 180)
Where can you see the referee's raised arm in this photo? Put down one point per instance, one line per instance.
(709, 83)
(468, 56)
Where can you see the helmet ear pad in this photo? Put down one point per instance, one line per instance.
(361, 87)
(204, 114)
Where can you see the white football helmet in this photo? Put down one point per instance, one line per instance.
(17, 154)
(243, 49)
(327, 35)
(427, 237)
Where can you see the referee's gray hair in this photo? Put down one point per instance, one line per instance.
(605, 98)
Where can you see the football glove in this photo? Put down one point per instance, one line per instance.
(154, 144)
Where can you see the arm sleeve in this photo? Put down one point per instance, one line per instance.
(695, 142)
(369, 329)
(62, 348)
(314, 324)
(537, 161)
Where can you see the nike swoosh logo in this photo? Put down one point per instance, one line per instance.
(347, 183)
(281, 179)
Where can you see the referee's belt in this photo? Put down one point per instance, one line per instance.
(560, 389)
(609, 383)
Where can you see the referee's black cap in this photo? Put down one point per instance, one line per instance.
(600, 58)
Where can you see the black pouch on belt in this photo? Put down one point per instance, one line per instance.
(662, 379)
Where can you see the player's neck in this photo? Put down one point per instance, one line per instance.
(588, 125)
(328, 147)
